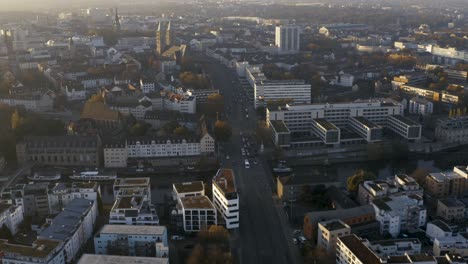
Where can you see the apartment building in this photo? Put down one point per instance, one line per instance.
(163, 147)
(457, 244)
(63, 193)
(439, 228)
(287, 38)
(124, 187)
(452, 130)
(447, 183)
(73, 227)
(421, 92)
(198, 213)
(188, 189)
(60, 150)
(147, 86)
(420, 106)
(104, 259)
(115, 155)
(11, 216)
(297, 91)
(225, 197)
(451, 209)
(133, 210)
(130, 240)
(397, 185)
(35, 199)
(399, 213)
(328, 233)
(46, 251)
(40, 102)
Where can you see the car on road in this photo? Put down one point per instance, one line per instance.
(246, 164)
(255, 161)
(295, 241)
(227, 157)
(190, 167)
(177, 237)
(302, 239)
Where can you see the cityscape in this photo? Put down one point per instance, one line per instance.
(234, 131)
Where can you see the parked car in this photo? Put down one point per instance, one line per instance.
(295, 241)
(177, 237)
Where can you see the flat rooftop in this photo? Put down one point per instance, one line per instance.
(452, 202)
(363, 253)
(196, 202)
(445, 175)
(41, 248)
(108, 259)
(279, 126)
(189, 187)
(325, 124)
(85, 185)
(333, 225)
(225, 180)
(144, 181)
(405, 120)
(127, 202)
(133, 230)
(366, 122)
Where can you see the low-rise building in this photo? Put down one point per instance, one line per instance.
(62, 194)
(188, 189)
(329, 231)
(421, 106)
(41, 102)
(438, 228)
(103, 259)
(11, 216)
(35, 200)
(73, 227)
(226, 198)
(198, 213)
(447, 183)
(451, 245)
(133, 210)
(129, 240)
(399, 213)
(42, 251)
(124, 187)
(450, 209)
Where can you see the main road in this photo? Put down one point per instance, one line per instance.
(264, 235)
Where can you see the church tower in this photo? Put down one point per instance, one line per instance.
(116, 21)
(160, 39)
(169, 35)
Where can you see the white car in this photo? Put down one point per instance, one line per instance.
(177, 237)
(227, 157)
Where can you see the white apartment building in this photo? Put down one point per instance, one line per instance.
(449, 56)
(147, 86)
(452, 130)
(438, 229)
(273, 90)
(399, 213)
(163, 147)
(106, 259)
(73, 226)
(180, 103)
(343, 79)
(133, 210)
(421, 106)
(207, 144)
(137, 109)
(124, 187)
(188, 189)
(115, 155)
(131, 240)
(328, 233)
(62, 194)
(51, 252)
(226, 198)
(11, 216)
(44, 102)
(453, 245)
(198, 213)
(287, 38)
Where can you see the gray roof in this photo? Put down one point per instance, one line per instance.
(106, 259)
(133, 230)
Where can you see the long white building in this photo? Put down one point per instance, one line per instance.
(364, 117)
(226, 198)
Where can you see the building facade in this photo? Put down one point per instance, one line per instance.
(447, 183)
(328, 233)
(11, 216)
(198, 213)
(452, 130)
(62, 194)
(226, 198)
(287, 38)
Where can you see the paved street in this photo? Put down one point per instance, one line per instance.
(264, 235)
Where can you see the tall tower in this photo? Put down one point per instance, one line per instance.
(116, 21)
(169, 35)
(160, 39)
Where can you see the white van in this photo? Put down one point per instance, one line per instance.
(247, 164)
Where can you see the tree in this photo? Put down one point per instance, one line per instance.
(5, 233)
(419, 175)
(222, 131)
(182, 131)
(15, 120)
(214, 104)
(359, 177)
(139, 129)
(316, 197)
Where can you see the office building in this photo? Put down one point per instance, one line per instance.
(328, 233)
(287, 38)
(447, 183)
(60, 150)
(73, 227)
(370, 131)
(103, 259)
(451, 209)
(226, 198)
(198, 213)
(11, 216)
(399, 213)
(188, 189)
(129, 240)
(62, 194)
